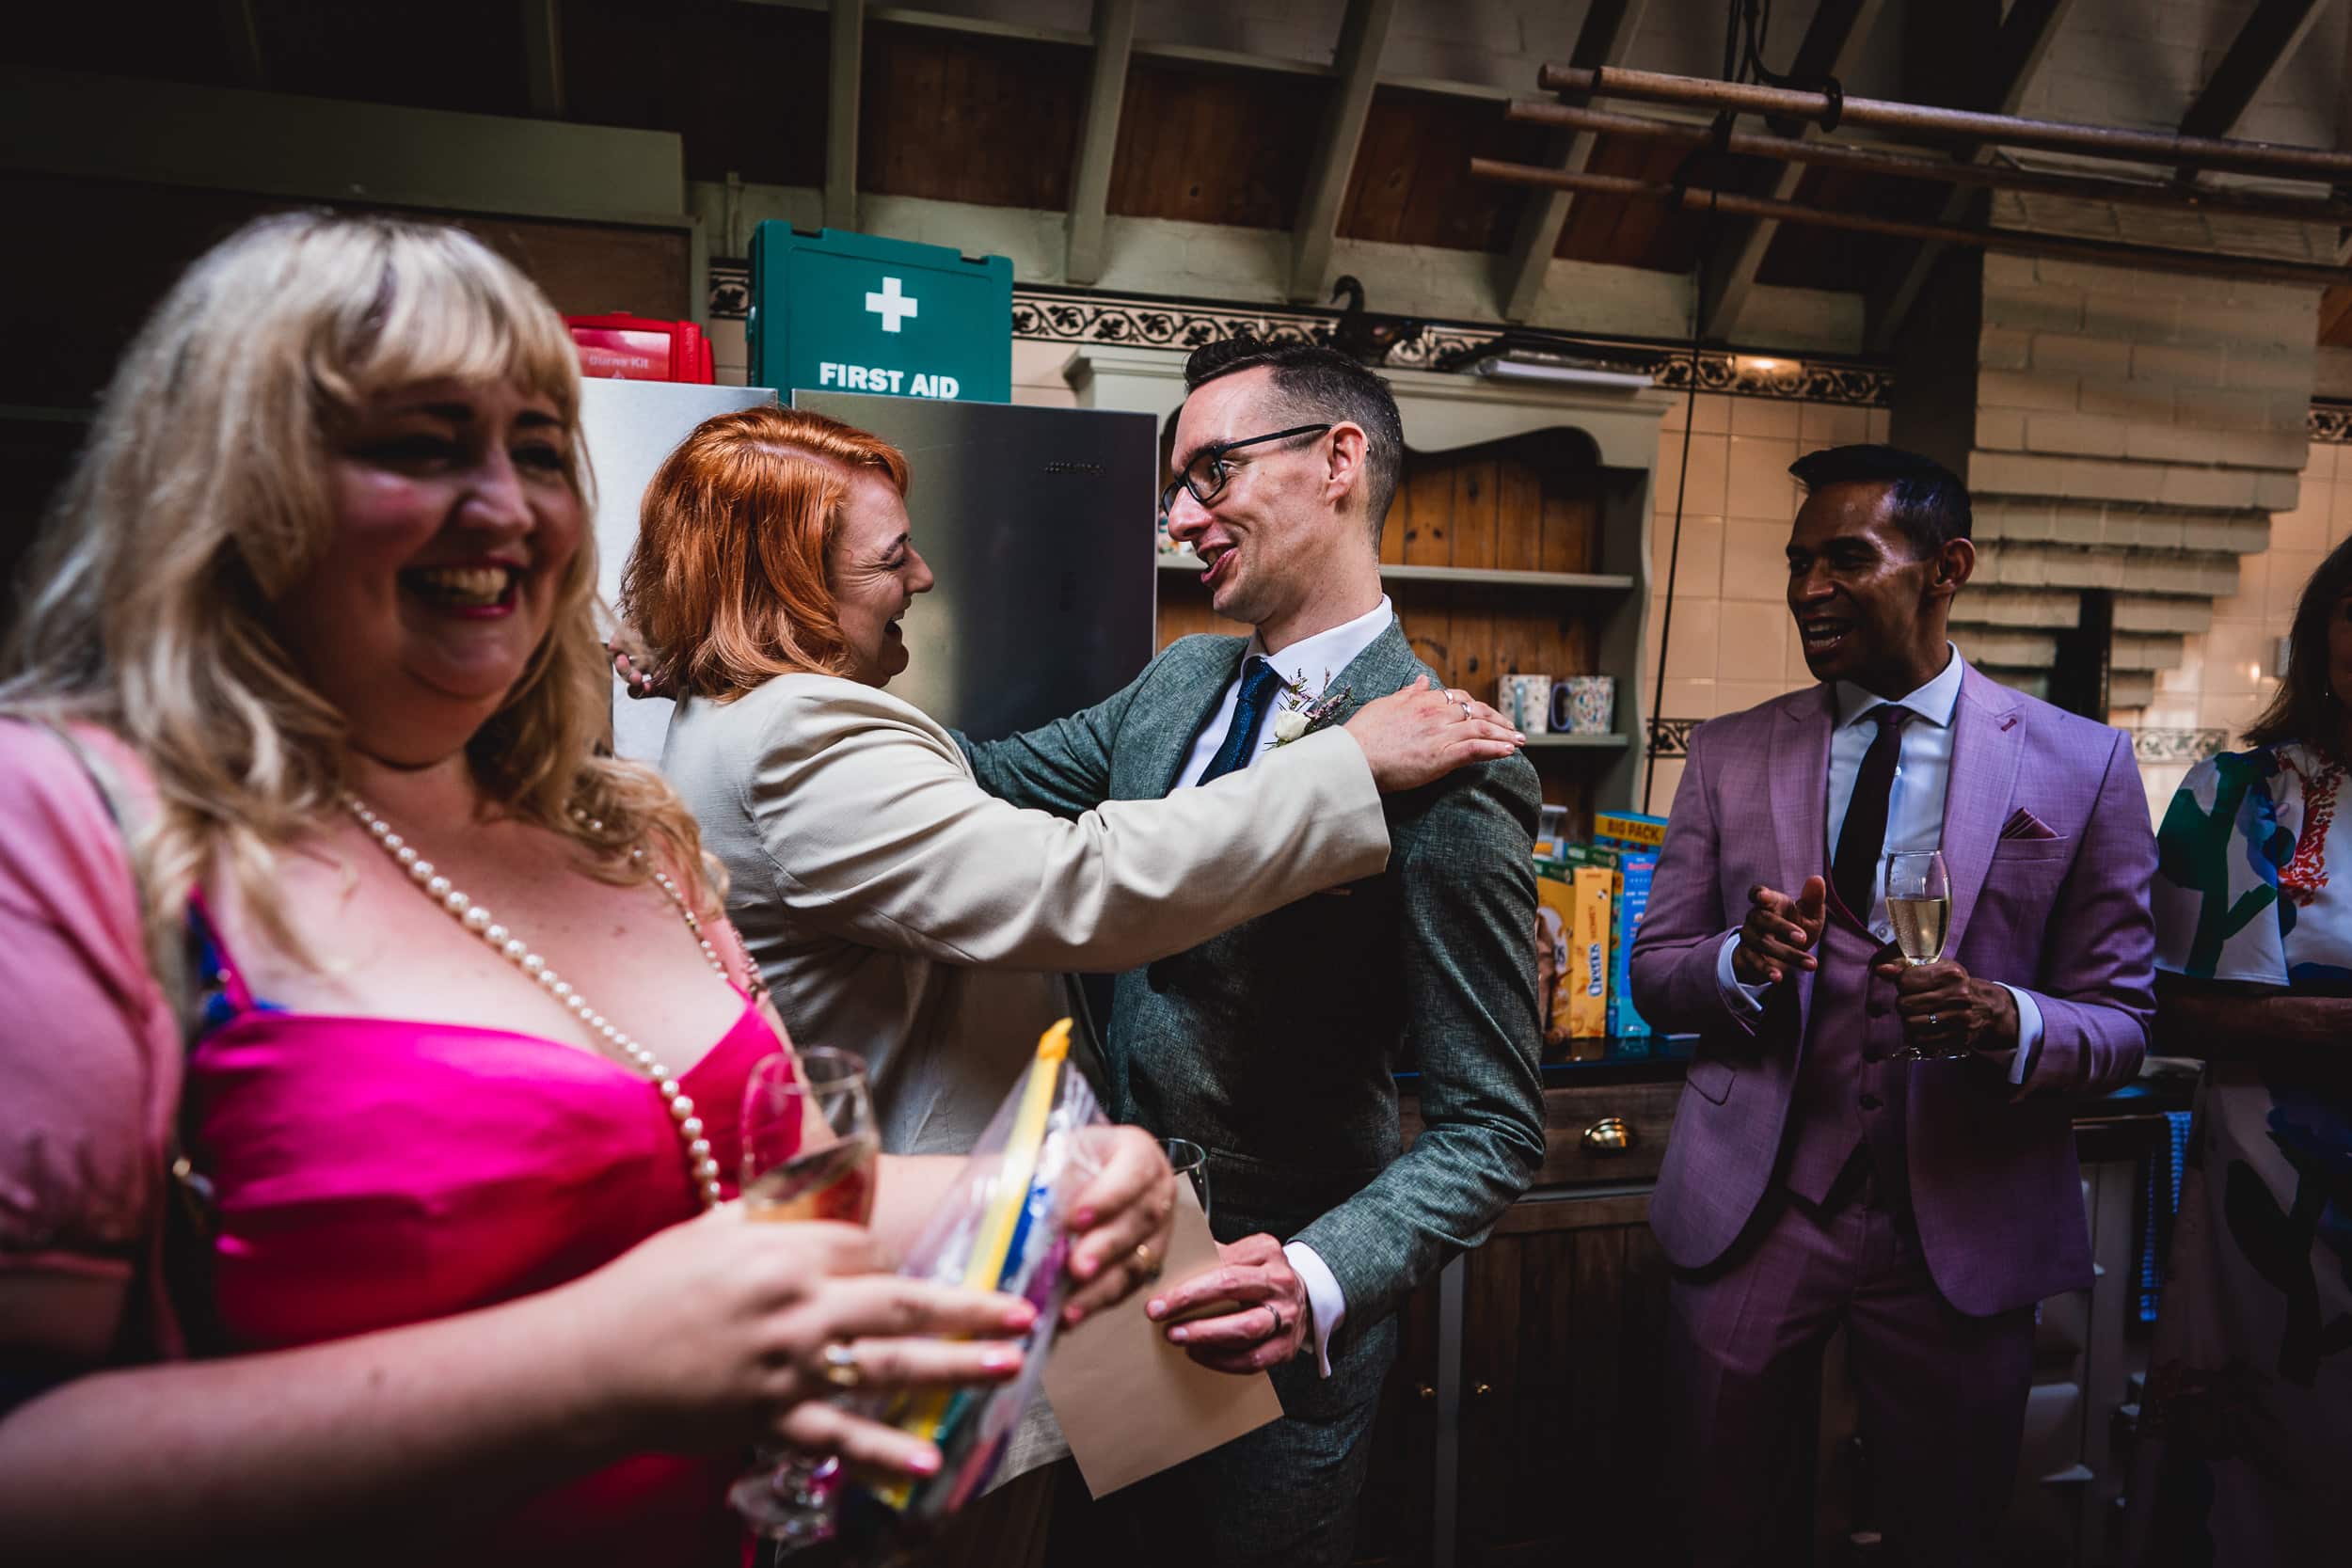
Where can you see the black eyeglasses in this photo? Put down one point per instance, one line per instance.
(1206, 475)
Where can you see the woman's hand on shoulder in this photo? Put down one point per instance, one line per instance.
(716, 1332)
(1122, 1220)
(1419, 735)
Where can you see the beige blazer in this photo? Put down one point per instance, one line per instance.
(899, 911)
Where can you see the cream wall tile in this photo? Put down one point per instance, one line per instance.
(2340, 510)
(2231, 712)
(1689, 700)
(1765, 417)
(1756, 562)
(1738, 696)
(2237, 653)
(2159, 780)
(1752, 641)
(1832, 424)
(2323, 462)
(1712, 414)
(2305, 526)
(1793, 666)
(1756, 478)
(2288, 570)
(1705, 476)
(1698, 562)
(1665, 778)
(1694, 638)
(1878, 424)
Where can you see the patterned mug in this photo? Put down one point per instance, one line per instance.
(1585, 704)
(1526, 703)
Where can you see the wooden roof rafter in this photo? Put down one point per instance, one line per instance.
(1604, 39)
(1832, 44)
(2018, 51)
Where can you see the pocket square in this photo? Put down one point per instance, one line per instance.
(2025, 824)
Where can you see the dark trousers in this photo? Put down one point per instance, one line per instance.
(1942, 1394)
(1286, 1494)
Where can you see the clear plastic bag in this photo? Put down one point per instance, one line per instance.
(1002, 1226)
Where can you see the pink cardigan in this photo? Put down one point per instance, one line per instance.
(91, 1054)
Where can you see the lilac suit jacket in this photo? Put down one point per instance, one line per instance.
(1994, 1184)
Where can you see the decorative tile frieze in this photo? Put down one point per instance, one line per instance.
(2331, 422)
(1042, 313)
(2158, 745)
(1671, 737)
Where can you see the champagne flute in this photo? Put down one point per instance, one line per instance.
(809, 1150)
(1191, 1162)
(1919, 906)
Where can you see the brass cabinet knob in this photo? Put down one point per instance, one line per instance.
(1481, 1390)
(1426, 1391)
(1609, 1135)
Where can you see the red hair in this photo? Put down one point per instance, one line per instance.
(728, 587)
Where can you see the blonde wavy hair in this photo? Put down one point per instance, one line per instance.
(203, 494)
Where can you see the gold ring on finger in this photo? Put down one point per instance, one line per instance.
(1147, 1264)
(841, 1367)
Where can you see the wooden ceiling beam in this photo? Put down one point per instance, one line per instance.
(2018, 51)
(1884, 163)
(2009, 242)
(1098, 138)
(1604, 41)
(2270, 35)
(845, 49)
(1831, 45)
(242, 31)
(1357, 62)
(543, 56)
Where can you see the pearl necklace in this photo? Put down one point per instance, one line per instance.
(607, 1036)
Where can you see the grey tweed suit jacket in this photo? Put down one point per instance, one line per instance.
(1273, 1045)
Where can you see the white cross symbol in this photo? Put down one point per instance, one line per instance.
(891, 305)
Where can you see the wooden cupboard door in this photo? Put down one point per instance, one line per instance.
(1563, 1448)
(1394, 1522)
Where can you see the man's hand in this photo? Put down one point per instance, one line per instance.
(1268, 1324)
(1780, 932)
(1945, 1012)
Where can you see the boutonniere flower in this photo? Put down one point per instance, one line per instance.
(1301, 711)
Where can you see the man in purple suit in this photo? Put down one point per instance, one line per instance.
(1815, 1178)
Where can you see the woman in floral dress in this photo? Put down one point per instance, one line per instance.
(2247, 1417)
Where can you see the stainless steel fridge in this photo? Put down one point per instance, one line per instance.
(628, 429)
(1038, 523)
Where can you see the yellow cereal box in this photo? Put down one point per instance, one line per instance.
(1555, 917)
(1587, 980)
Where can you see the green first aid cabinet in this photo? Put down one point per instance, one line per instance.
(840, 312)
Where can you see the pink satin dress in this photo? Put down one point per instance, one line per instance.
(377, 1172)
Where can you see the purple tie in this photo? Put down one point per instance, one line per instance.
(1855, 868)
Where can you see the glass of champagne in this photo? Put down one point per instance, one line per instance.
(1191, 1162)
(809, 1149)
(1919, 906)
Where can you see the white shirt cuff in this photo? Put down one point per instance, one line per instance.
(1323, 1298)
(1744, 1000)
(2028, 1033)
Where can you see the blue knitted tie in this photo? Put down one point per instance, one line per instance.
(1258, 683)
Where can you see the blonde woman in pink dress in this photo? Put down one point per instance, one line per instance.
(308, 687)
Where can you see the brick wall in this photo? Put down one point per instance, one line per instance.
(2134, 431)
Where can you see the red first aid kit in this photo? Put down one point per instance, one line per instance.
(623, 347)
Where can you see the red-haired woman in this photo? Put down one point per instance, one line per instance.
(894, 907)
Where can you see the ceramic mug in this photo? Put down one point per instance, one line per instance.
(1585, 704)
(1526, 703)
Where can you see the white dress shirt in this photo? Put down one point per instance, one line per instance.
(1312, 663)
(1914, 820)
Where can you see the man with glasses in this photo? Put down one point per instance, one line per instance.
(1275, 1046)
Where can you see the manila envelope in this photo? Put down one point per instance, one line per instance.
(1131, 1404)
